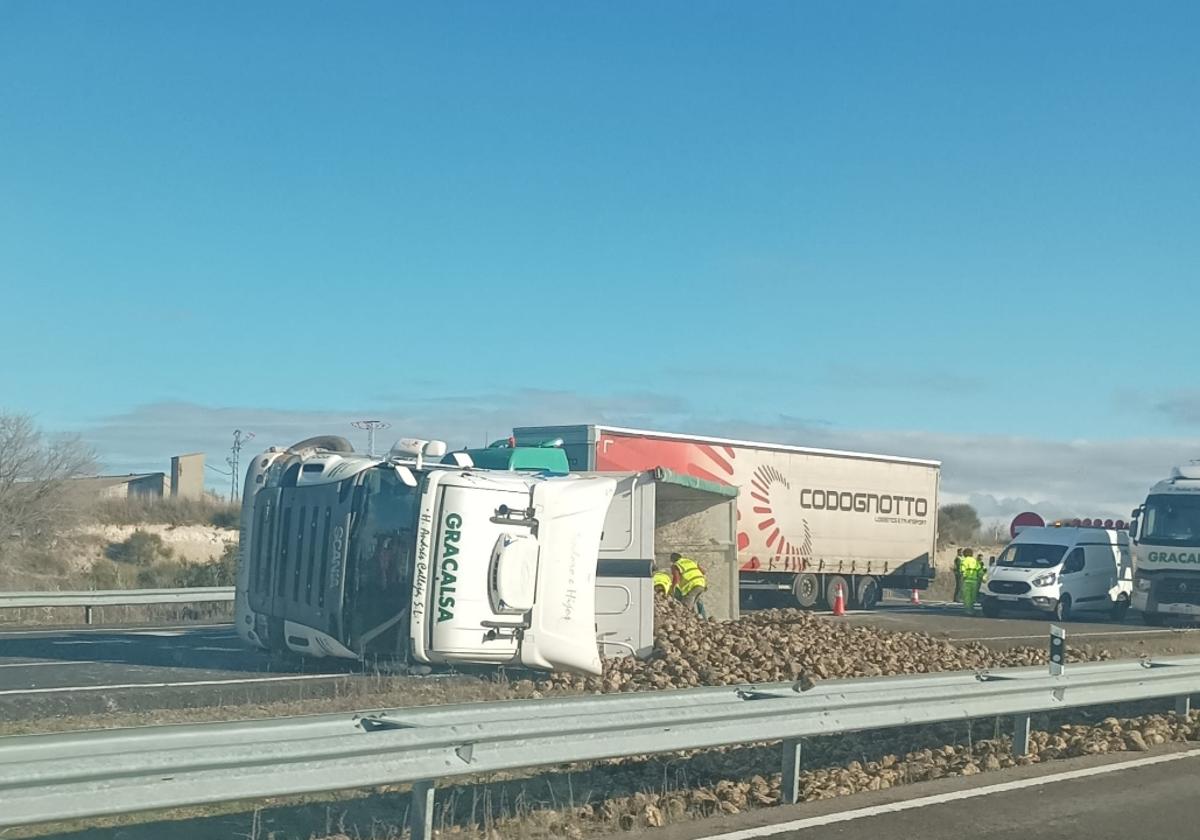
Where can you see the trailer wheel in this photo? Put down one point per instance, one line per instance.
(1153, 619)
(807, 589)
(831, 590)
(867, 592)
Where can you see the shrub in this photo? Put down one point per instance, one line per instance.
(226, 517)
(107, 575)
(167, 511)
(169, 574)
(141, 548)
(957, 525)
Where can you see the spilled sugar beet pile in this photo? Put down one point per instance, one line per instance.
(781, 645)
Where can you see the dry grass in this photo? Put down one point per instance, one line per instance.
(207, 510)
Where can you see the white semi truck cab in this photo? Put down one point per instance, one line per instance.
(404, 557)
(1166, 547)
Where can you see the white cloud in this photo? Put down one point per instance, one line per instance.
(1183, 407)
(1001, 474)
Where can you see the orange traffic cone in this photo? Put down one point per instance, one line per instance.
(839, 602)
(915, 600)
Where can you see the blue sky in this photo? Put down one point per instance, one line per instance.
(929, 226)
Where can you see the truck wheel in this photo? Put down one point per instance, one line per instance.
(807, 589)
(831, 589)
(991, 608)
(1152, 619)
(867, 592)
(1062, 610)
(1120, 608)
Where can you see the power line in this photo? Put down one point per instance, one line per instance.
(370, 426)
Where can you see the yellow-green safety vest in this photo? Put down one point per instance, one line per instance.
(972, 569)
(662, 580)
(690, 576)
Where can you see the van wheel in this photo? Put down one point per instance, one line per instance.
(991, 608)
(1152, 619)
(867, 593)
(1062, 610)
(807, 589)
(1121, 608)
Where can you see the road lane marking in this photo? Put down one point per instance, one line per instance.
(33, 631)
(942, 798)
(35, 664)
(185, 684)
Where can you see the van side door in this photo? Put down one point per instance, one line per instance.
(1100, 574)
(1073, 577)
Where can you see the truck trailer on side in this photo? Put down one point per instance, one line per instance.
(809, 521)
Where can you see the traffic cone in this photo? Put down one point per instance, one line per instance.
(839, 602)
(915, 600)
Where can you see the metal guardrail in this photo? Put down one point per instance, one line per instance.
(78, 775)
(88, 599)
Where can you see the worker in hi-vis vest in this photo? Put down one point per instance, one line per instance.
(662, 583)
(972, 577)
(689, 581)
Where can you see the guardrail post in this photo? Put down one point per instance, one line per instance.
(87, 615)
(420, 813)
(790, 785)
(1021, 725)
(1183, 705)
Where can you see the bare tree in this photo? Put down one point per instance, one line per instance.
(35, 503)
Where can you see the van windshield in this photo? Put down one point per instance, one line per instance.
(1032, 556)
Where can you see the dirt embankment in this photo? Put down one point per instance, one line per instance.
(188, 543)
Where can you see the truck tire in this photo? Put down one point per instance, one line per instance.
(334, 443)
(807, 589)
(831, 589)
(867, 592)
(1152, 619)
(991, 608)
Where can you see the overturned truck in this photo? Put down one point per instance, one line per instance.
(423, 558)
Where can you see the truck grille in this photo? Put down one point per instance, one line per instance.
(1008, 587)
(1177, 590)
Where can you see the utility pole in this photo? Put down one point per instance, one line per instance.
(235, 451)
(370, 426)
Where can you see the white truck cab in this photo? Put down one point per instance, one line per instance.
(402, 556)
(1063, 571)
(1166, 548)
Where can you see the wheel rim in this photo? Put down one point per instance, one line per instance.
(808, 590)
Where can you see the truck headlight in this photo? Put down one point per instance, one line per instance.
(1045, 580)
(1142, 584)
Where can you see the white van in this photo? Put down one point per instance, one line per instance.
(1062, 570)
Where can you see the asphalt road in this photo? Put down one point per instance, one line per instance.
(1087, 799)
(75, 671)
(1129, 638)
